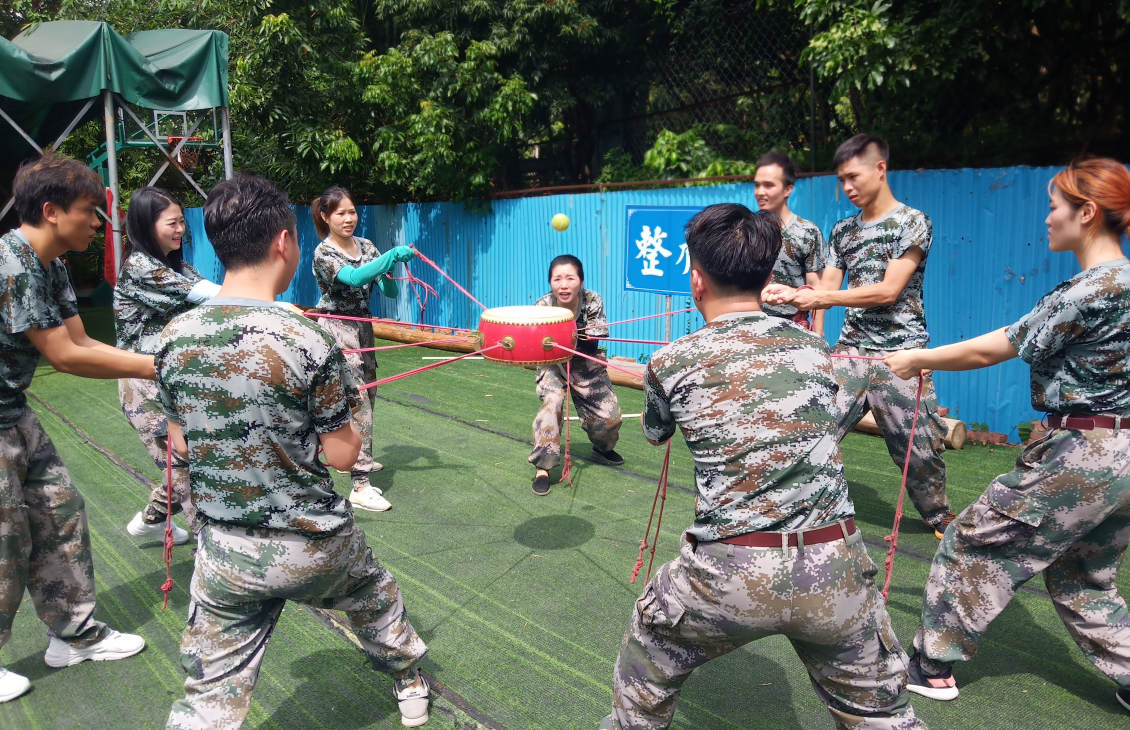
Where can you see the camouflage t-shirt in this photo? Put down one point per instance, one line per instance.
(1077, 340)
(590, 315)
(32, 296)
(802, 252)
(252, 386)
(147, 296)
(337, 297)
(864, 250)
(755, 398)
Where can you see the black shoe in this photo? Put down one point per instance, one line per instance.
(1123, 697)
(541, 485)
(607, 457)
(935, 686)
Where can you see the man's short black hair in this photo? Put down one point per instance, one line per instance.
(860, 146)
(789, 170)
(53, 179)
(242, 216)
(734, 245)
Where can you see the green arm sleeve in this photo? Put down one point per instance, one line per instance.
(388, 287)
(362, 275)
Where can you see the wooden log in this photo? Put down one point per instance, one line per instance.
(955, 431)
(408, 335)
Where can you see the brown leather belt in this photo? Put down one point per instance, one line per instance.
(828, 533)
(1087, 423)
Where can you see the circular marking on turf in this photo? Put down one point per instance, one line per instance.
(554, 532)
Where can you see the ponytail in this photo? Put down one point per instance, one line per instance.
(324, 205)
(1102, 181)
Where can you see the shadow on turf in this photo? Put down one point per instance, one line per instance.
(364, 698)
(1017, 645)
(554, 532)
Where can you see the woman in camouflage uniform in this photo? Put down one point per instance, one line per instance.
(345, 267)
(596, 403)
(154, 285)
(1065, 510)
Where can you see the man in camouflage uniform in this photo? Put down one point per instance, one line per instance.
(44, 538)
(595, 401)
(255, 390)
(802, 244)
(774, 548)
(1065, 510)
(883, 249)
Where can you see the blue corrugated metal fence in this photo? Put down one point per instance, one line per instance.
(989, 262)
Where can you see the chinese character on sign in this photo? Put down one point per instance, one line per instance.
(684, 255)
(650, 247)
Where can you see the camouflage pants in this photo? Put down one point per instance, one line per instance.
(143, 410)
(596, 405)
(242, 580)
(1064, 511)
(352, 335)
(869, 385)
(715, 598)
(44, 539)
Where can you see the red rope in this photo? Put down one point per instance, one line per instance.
(597, 360)
(642, 342)
(568, 460)
(427, 367)
(893, 538)
(638, 319)
(167, 586)
(381, 320)
(397, 347)
(412, 282)
(661, 500)
(432, 264)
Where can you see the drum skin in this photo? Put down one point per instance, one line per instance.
(528, 334)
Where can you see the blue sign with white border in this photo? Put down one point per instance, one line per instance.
(656, 252)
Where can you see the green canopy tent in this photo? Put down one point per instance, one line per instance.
(53, 76)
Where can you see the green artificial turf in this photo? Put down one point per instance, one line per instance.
(522, 600)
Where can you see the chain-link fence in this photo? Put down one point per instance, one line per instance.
(734, 77)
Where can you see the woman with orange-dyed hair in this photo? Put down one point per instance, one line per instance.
(1065, 510)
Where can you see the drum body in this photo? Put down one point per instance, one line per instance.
(528, 334)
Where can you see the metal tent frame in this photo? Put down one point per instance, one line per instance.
(111, 104)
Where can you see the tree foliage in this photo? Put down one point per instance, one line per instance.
(450, 99)
(955, 82)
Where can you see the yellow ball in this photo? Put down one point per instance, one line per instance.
(560, 222)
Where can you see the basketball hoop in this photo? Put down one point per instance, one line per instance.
(188, 158)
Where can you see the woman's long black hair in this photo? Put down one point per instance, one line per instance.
(145, 207)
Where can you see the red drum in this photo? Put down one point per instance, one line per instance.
(528, 334)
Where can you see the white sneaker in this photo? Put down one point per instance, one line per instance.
(377, 466)
(12, 685)
(140, 528)
(413, 702)
(369, 498)
(115, 645)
